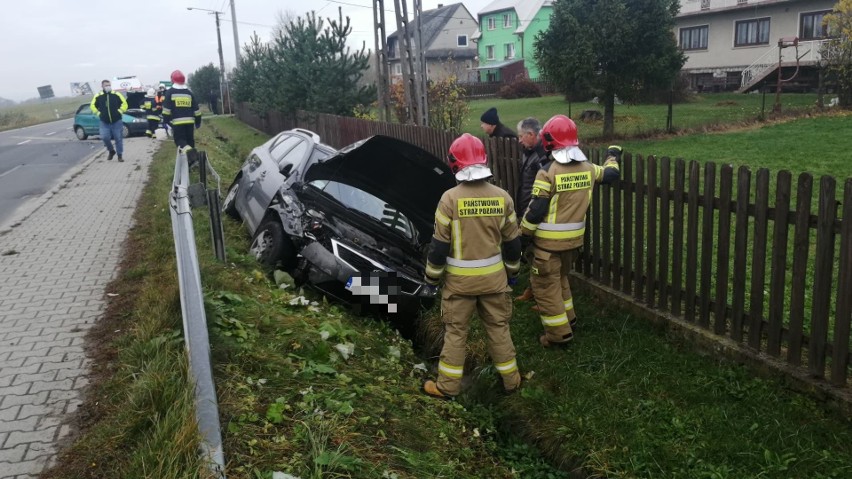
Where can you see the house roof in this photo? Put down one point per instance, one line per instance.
(451, 53)
(433, 21)
(525, 9)
(498, 65)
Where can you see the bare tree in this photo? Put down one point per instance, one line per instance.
(283, 18)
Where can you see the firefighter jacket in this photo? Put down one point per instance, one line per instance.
(561, 196)
(180, 107)
(477, 222)
(108, 106)
(150, 107)
(160, 98)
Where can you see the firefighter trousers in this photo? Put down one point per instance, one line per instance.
(549, 281)
(495, 311)
(184, 135)
(152, 126)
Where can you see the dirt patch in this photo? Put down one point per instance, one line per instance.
(727, 103)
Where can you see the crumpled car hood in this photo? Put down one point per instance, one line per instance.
(401, 174)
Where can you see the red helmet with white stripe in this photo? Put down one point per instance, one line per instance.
(559, 132)
(466, 150)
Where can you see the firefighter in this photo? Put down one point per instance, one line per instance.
(150, 107)
(556, 221)
(180, 110)
(476, 249)
(161, 96)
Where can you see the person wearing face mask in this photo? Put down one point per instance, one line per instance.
(110, 107)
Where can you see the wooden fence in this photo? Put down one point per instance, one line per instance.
(697, 242)
(491, 89)
(338, 131)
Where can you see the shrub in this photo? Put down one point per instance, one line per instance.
(520, 88)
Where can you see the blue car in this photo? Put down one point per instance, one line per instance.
(87, 123)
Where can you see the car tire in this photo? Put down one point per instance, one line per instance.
(125, 131)
(80, 132)
(229, 204)
(271, 246)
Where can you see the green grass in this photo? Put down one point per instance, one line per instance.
(638, 120)
(622, 401)
(33, 113)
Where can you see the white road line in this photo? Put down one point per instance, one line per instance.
(51, 133)
(25, 141)
(6, 173)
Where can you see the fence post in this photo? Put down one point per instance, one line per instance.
(677, 240)
(801, 251)
(843, 308)
(692, 241)
(707, 214)
(822, 276)
(740, 258)
(779, 264)
(758, 259)
(720, 325)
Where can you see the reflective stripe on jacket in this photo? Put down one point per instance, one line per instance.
(180, 107)
(475, 218)
(108, 106)
(569, 189)
(150, 107)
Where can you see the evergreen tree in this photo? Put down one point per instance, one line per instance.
(306, 66)
(610, 47)
(204, 83)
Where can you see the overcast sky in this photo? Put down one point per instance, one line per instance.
(56, 42)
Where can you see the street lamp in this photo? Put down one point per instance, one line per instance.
(222, 81)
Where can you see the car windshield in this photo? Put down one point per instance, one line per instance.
(368, 204)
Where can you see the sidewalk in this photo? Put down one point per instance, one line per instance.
(54, 268)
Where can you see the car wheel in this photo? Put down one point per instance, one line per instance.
(271, 246)
(229, 204)
(80, 132)
(125, 132)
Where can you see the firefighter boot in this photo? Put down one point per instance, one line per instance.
(431, 388)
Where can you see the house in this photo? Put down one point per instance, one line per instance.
(446, 32)
(507, 31)
(735, 44)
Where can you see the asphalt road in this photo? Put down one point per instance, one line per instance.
(34, 159)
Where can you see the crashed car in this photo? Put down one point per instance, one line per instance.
(354, 223)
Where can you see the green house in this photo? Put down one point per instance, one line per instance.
(506, 36)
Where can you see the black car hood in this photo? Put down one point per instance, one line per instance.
(401, 174)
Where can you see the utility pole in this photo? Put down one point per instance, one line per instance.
(408, 60)
(223, 86)
(382, 67)
(422, 83)
(236, 36)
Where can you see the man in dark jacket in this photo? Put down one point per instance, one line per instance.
(110, 107)
(492, 127)
(533, 159)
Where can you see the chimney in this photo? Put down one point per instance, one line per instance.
(440, 5)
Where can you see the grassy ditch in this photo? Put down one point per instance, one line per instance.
(308, 389)
(39, 111)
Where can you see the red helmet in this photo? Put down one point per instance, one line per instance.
(466, 150)
(177, 77)
(559, 132)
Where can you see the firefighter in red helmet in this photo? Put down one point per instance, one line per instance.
(556, 221)
(476, 250)
(180, 110)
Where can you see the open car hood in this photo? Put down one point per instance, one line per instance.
(401, 174)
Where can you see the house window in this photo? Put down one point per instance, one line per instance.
(694, 38)
(489, 52)
(510, 51)
(392, 49)
(752, 32)
(507, 20)
(812, 27)
(397, 68)
(492, 23)
(461, 40)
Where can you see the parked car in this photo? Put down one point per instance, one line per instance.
(345, 220)
(87, 123)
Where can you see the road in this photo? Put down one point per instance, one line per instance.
(34, 159)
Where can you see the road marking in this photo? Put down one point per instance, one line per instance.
(6, 173)
(51, 133)
(25, 141)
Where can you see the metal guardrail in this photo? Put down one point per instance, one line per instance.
(192, 310)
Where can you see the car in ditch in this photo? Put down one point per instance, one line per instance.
(355, 223)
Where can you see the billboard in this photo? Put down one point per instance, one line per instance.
(45, 92)
(80, 88)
